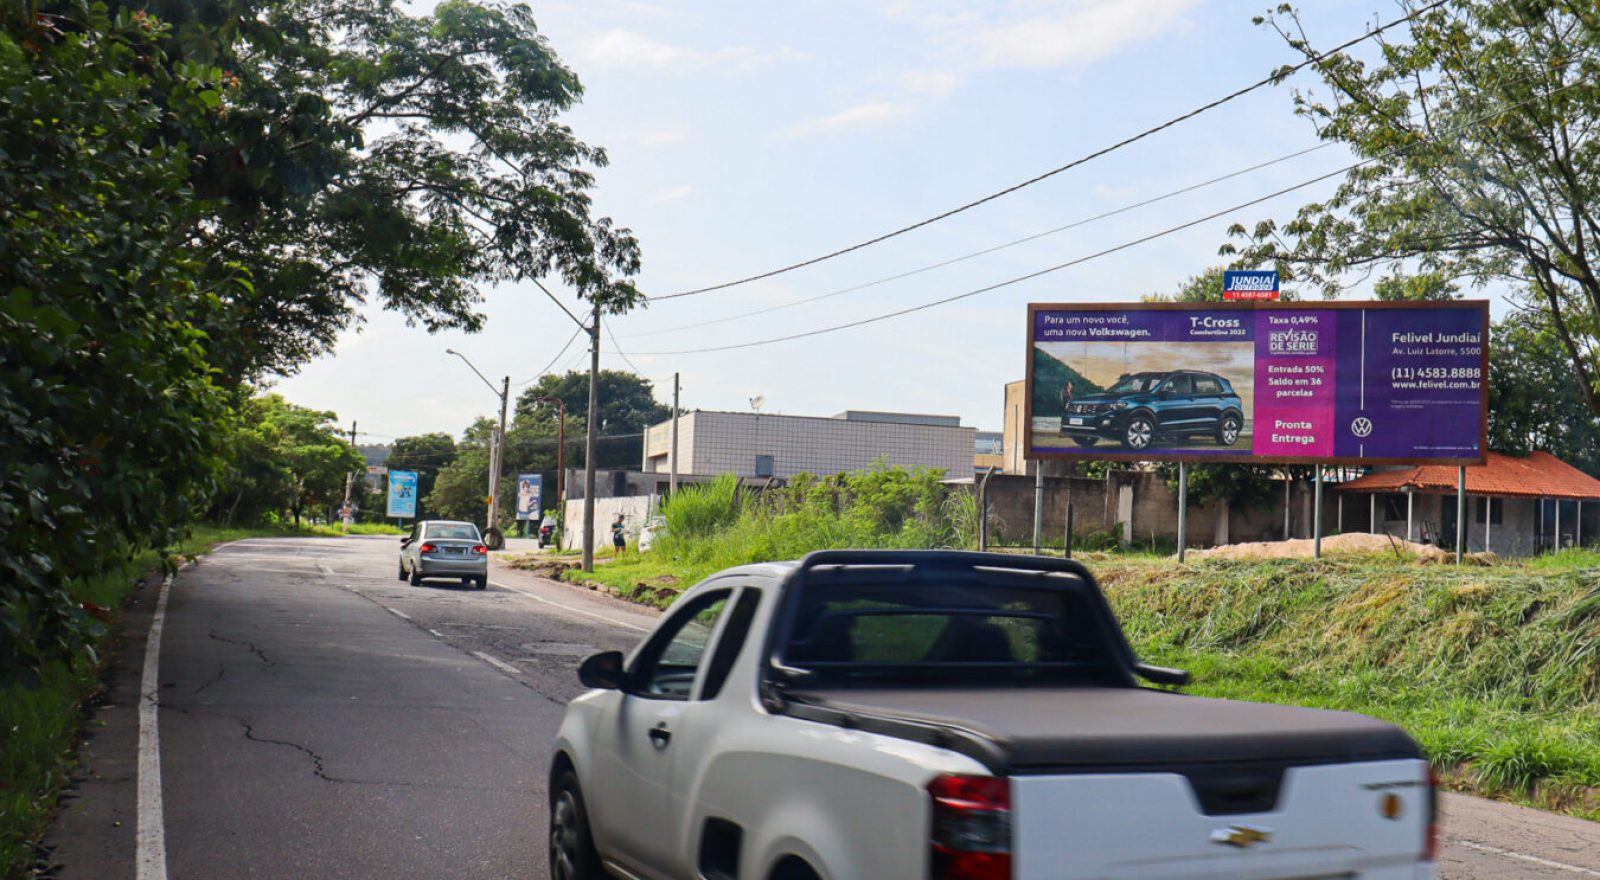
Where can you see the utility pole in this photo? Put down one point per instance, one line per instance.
(672, 456)
(349, 480)
(588, 444)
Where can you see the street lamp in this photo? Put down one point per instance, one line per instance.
(491, 533)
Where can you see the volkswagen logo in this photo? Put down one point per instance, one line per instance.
(1361, 427)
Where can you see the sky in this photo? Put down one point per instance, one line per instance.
(748, 136)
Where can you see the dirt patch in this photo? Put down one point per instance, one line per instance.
(1352, 542)
(543, 566)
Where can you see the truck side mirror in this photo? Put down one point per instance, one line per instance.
(603, 671)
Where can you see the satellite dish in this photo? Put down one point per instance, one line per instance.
(757, 402)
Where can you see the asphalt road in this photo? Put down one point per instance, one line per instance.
(320, 718)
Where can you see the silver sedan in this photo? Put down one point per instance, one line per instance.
(441, 548)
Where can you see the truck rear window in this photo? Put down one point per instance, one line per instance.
(894, 633)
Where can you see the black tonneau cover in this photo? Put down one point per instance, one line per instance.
(1079, 729)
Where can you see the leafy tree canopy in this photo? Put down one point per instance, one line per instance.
(363, 151)
(1531, 405)
(627, 400)
(1483, 165)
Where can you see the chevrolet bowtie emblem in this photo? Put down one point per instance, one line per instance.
(1241, 836)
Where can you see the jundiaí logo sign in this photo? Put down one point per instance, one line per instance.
(1250, 285)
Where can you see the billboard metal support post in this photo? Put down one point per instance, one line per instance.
(1038, 505)
(1411, 503)
(1183, 509)
(983, 509)
(1488, 521)
(1556, 503)
(1068, 544)
(1316, 517)
(1372, 513)
(1461, 511)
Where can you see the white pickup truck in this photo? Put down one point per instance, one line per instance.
(932, 715)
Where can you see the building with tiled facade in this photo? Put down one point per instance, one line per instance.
(754, 444)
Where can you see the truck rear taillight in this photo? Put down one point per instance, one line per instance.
(1430, 845)
(971, 833)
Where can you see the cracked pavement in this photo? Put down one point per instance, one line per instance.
(320, 718)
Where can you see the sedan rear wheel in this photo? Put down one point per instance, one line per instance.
(416, 575)
(572, 852)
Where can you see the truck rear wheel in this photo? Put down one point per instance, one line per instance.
(572, 852)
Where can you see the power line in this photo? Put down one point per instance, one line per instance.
(1125, 245)
(618, 349)
(993, 249)
(541, 374)
(1017, 280)
(1277, 76)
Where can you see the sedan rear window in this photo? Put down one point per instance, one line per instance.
(458, 531)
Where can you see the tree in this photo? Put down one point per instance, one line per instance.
(105, 393)
(1482, 165)
(1531, 405)
(366, 151)
(284, 458)
(427, 454)
(627, 408)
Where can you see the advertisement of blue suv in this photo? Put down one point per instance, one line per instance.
(1315, 382)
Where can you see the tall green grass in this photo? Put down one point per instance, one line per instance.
(1495, 669)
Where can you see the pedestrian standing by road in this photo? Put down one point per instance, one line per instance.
(619, 538)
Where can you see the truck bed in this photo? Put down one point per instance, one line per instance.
(1063, 729)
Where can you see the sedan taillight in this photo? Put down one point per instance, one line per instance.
(480, 549)
(427, 548)
(971, 834)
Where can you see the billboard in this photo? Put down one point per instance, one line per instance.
(530, 496)
(403, 494)
(1309, 383)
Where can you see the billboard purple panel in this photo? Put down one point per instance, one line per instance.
(1270, 382)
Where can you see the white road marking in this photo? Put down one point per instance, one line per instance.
(496, 662)
(1524, 857)
(564, 605)
(150, 846)
(325, 570)
(435, 633)
(397, 613)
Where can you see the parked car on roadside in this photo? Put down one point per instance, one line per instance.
(954, 716)
(1141, 408)
(444, 548)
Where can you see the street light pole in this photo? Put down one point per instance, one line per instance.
(588, 444)
(491, 533)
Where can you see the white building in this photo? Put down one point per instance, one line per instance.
(755, 445)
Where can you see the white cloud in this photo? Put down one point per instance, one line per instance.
(1078, 32)
(672, 134)
(670, 193)
(622, 48)
(860, 116)
(936, 83)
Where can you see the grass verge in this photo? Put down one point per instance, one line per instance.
(1494, 668)
(39, 726)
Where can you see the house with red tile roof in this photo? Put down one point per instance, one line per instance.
(1517, 505)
